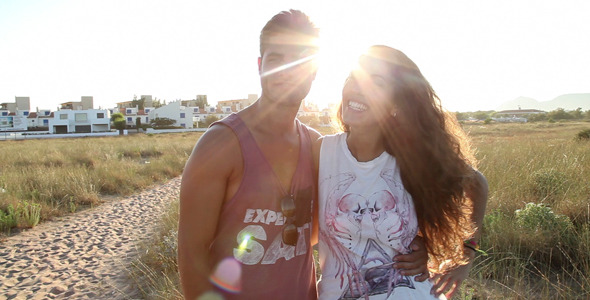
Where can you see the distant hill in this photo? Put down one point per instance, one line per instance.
(567, 102)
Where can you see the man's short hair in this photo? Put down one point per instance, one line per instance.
(292, 22)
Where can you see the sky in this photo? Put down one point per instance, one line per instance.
(477, 54)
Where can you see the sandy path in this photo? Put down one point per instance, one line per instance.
(85, 255)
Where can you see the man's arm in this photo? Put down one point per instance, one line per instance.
(202, 193)
(449, 282)
(415, 262)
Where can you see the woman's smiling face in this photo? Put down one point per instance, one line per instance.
(367, 96)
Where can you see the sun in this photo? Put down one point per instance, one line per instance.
(338, 55)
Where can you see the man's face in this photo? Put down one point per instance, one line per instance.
(286, 70)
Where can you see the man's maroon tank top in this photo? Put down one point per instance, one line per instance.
(251, 223)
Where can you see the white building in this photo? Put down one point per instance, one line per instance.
(144, 118)
(143, 115)
(131, 112)
(80, 121)
(175, 111)
(33, 121)
(220, 113)
(39, 119)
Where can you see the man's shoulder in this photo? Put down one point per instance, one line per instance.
(217, 153)
(218, 131)
(219, 136)
(313, 134)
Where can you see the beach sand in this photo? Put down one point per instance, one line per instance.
(85, 255)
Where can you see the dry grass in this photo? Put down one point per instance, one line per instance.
(65, 175)
(155, 272)
(537, 163)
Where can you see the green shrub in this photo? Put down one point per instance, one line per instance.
(540, 217)
(72, 205)
(161, 123)
(583, 135)
(29, 214)
(548, 240)
(7, 219)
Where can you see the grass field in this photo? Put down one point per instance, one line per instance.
(536, 229)
(540, 250)
(42, 179)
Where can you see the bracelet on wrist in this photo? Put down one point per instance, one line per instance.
(473, 245)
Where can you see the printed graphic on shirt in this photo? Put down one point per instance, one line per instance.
(252, 242)
(364, 229)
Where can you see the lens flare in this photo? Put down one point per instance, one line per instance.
(244, 243)
(290, 65)
(228, 275)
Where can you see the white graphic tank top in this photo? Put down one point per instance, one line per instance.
(366, 217)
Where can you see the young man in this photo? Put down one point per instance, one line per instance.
(249, 187)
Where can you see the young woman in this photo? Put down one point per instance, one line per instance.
(401, 168)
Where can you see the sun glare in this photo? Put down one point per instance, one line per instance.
(338, 55)
(290, 65)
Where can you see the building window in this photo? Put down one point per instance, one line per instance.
(147, 110)
(45, 122)
(63, 116)
(128, 111)
(25, 113)
(196, 109)
(100, 115)
(47, 113)
(182, 115)
(129, 119)
(183, 125)
(227, 110)
(147, 119)
(4, 113)
(81, 117)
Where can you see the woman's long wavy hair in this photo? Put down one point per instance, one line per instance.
(433, 154)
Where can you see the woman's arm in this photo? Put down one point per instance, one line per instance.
(449, 282)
